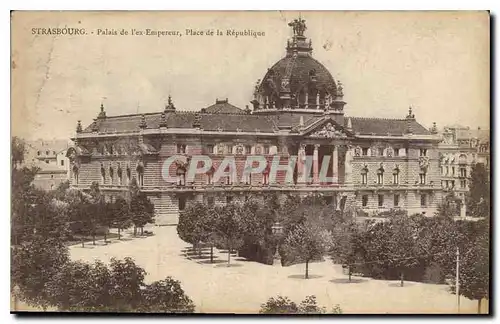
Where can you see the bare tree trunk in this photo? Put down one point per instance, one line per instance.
(211, 254)
(83, 241)
(479, 305)
(119, 232)
(228, 256)
(402, 279)
(93, 237)
(307, 269)
(350, 272)
(135, 231)
(142, 230)
(105, 236)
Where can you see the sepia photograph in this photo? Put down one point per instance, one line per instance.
(250, 162)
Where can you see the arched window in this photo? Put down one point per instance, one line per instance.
(140, 173)
(128, 175)
(120, 175)
(103, 175)
(111, 174)
(75, 174)
(364, 175)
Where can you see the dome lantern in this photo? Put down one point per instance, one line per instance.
(298, 82)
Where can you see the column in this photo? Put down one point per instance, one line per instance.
(307, 99)
(317, 100)
(348, 164)
(335, 164)
(315, 163)
(300, 164)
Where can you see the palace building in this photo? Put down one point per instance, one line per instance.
(298, 109)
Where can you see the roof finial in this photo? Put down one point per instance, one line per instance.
(79, 126)
(170, 105)
(143, 124)
(340, 89)
(102, 113)
(410, 115)
(434, 129)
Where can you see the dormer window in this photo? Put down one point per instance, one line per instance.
(381, 152)
(248, 149)
(364, 151)
(423, 152)
(266, 149)
(210, 149)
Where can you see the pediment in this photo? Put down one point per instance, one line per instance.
(327, 128)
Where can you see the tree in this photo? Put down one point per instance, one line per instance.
(283, 305)
(127, 280)
(229, 228)
(120, 215)
(449, 207)
(18, 147)
(34, 264)
(474, 269)
(345, 244)
(141, 211)
(478, 198)
(279, 305)
(193, 224)
(165, 296)
(307, 241)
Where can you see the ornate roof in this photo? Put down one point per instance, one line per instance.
(252, 123)
(298, 81)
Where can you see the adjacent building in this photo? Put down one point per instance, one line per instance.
(297, 109)
(460, 148)
(49, 156)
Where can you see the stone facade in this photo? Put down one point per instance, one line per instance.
(298, 110)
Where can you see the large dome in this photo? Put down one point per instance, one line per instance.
(297, 82)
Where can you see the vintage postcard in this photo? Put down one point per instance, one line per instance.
(269, 162)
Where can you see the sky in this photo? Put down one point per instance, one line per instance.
(438, 63)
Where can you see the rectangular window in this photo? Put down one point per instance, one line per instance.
(396, 200)
(423, 200)
(210, 149)
(364, 151)
(396, 152)
(422, 178)
(380, 200)
(463, 172)
(453, 171)
(210, 201)
(266, 149)
(381, 152)
(380, 178)
(248, 149)
(395, 178)
(62, 162)
(181, 148)
(462, 184)
(406, 151)
(229, 199)
(364, 178)
(423, 152)
(364, 199)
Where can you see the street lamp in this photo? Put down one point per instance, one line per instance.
(277, 229)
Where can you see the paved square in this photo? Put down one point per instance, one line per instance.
(244, 287)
